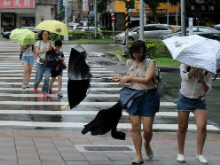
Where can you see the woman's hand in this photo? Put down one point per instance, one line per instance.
(201, 78)
(115, 78)
(48, 49)
(192, 72)
(124, 80)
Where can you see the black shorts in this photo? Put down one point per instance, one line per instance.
(55, 73)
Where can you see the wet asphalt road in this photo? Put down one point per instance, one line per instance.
(12, 86)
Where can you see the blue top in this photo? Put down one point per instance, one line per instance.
(60, 53)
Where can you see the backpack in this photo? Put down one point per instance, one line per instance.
(50, 59)
(157, 79)
(21, 54)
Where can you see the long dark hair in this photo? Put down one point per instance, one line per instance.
(135, 48)
(40, 35)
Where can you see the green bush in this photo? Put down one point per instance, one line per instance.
(76, 35)
(109, 34)
(55, 37)
(155, 48)
(83, 35)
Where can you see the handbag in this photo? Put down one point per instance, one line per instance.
(63, 65)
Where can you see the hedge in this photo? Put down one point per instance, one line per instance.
(109, 34)
(155, 48)
(83, 35)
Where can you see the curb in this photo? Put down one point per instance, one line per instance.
(162, 68)
(103, 43)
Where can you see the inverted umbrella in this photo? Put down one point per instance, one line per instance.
(53, 26)
(23, 36)
(106, 120)
(78, 76)
(195, 51)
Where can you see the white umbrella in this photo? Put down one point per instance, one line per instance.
(195, 51)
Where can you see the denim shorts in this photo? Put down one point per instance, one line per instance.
(27, 59)
(187, 104)
(146, 105)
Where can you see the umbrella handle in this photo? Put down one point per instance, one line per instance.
(65, 106)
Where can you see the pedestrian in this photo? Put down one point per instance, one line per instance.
(43, 45)
(57, 70)
(27, 60)
(195, 83)
(144, 106)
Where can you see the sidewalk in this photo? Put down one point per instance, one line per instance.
(61, 147)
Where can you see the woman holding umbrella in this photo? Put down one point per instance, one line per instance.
(42, 46)
(195, 83)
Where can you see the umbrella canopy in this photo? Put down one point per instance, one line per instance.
(79, 76)
(195, 51)
(23, 36)
(53, 26)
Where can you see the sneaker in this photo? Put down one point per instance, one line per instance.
(50, 91)
(149, 152)
(46, 95)
(60, 94)
(137, 161)
(27, 85)
(23, 86)
(201, 159)
(35, 90)
(180, 158)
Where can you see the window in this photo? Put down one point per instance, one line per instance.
(217, 27)
(162, 27)
(146, 28)
(152, 28)
(203, 29)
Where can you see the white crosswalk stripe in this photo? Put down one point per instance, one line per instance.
(23, 102)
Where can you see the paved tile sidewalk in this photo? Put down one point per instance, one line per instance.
(54, 147)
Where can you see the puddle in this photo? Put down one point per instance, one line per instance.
(106, 63)
(111, 56)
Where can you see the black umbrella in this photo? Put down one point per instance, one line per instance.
(78, 75)
(106, 120)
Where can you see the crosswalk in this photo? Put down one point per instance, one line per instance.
(23, 108)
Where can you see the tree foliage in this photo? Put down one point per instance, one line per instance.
(102, 4)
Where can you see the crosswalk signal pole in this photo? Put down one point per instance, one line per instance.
(66, 38)
(126, 27)
(183, 17)
(141, 31)
(129, 4)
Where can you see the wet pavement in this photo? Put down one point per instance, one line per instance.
(35, 130)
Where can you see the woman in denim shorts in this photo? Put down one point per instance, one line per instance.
(195, 83)
(27, 61)
(144, 106)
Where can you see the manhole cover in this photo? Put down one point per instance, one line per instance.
(106, 148)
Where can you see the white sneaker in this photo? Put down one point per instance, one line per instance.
(27, 85)
(201, 159)
(149, 152)
(23, 86)
(180, 158)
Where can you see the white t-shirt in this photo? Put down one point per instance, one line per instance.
(192, 88)
(42, 46)
(28, 52)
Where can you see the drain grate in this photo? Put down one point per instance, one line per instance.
(106, 148)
